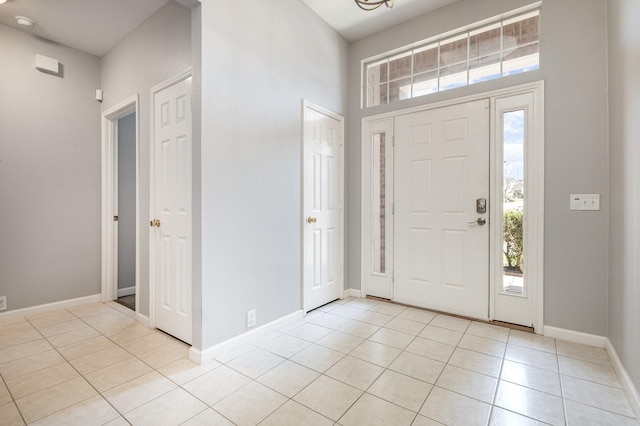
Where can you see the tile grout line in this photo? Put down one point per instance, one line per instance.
(123, 415)
(49, 387)
(82, 375)
(178, 386)
(385, 369)
(502, 359)
(13, 400)
(495, 391)
(564, 400)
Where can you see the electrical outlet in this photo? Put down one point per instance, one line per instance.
(3, 303)
(251, 318)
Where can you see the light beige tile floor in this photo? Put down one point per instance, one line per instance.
(352, 362)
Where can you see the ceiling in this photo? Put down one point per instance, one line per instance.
(93, 26)
(354, 23)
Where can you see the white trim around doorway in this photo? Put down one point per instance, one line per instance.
(109, 264)
(535, 176)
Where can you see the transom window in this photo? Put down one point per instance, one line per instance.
(507, 46)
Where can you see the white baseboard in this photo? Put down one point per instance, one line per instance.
(40, 309)
(625, 380)
(602, 342)
(143, 319)
(203, 356)
(126, 291)
(352, 292)
(575, 336)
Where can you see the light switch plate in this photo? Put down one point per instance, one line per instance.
(584, 202)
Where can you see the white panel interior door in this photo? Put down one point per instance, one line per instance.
(172, 210)
(441, 169)
(323, 189)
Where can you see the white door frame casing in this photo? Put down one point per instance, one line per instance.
(183, 75)
(535, 197)
(307, 105)
(109, 264)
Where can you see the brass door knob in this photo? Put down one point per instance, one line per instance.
(155, 222)
(311, 219)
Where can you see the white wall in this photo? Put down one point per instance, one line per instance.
(158, 49)
(49, 173)
(259, 60)
(573, 66)
(624, 135)
(127, 201)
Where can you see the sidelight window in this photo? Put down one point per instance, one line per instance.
(379, 203)
(513, 194)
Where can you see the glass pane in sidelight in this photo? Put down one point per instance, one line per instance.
(379, 203)
(513, 190)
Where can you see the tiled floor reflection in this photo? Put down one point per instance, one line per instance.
(352, 362)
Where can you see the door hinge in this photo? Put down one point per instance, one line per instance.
(115, 218)
(393, 208)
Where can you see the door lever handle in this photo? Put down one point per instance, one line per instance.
(480, 221)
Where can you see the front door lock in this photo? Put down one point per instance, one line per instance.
(481, 205)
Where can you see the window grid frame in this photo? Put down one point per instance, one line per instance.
(437, 41)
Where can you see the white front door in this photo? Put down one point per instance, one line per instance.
(322, 209)
(171, 210)
(441, 240)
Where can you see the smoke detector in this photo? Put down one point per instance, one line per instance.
(24, 21)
